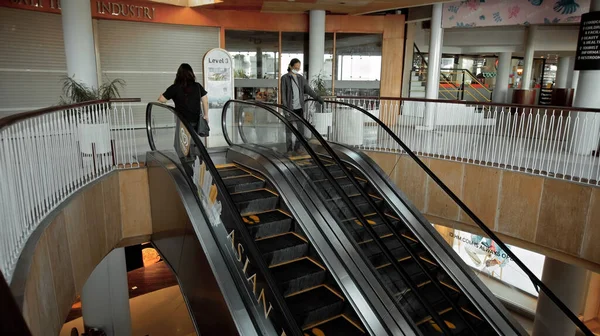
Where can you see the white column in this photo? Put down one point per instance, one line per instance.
(79, 41)
(504, 68)
(105, 296)
(568, 282)
(585, 126)
(316, 43)
(433, 64)
(563, 72)
(528, 60)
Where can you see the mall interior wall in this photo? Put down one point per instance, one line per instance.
(145, 51)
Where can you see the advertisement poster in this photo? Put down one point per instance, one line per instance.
(487, 13)
(218, 82)
(485, 256)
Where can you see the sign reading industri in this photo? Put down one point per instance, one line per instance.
(588, 44)
(115, 9)
(487, 13)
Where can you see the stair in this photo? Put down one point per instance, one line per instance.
(430, 282)
(315, 303)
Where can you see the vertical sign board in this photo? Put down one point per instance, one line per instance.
(218, 82)
(588, 43)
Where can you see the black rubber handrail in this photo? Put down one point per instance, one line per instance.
(355, 211)
(398, 236)
(229, 205)
(538, 284)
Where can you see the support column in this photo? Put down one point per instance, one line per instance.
(563, 71)
(586, 125)
(316, 46)
(409, 48)
(105, 296)
(79, 41)
(433, 64)
(504, 68)
(568, 282)
(528, 60)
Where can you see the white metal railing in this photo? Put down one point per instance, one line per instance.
(47, 155)
(550, 141)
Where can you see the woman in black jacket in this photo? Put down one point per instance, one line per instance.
(293, 88)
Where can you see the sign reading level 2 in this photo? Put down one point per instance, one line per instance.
(588, 44)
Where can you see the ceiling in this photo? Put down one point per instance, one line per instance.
(300, 6)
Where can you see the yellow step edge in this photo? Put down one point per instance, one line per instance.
(429, 318)
(299, 259)
(314, 325)
(388, 264)
(264, 212)
(225, 166)
(283, 234)
(254, 190)
(315, 287)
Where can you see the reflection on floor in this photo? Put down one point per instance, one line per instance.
(162, 312)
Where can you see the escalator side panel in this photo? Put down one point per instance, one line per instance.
(182, 236)
(461, 274)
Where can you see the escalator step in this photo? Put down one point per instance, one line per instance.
(315, 305)
(298, 275)
(360, 234)
(232, 172)
(268, 224)
(328, 190)
(315, 173)
(377, 257)
(251, 202)
(243, 183)
(340, 325)
(340, 209)
(282, 248)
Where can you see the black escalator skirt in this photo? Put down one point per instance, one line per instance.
(311, 294)
(461, 322)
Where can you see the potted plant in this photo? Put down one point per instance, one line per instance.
(93, 129)
(321, 117)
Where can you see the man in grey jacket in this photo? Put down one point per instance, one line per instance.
(293, 88)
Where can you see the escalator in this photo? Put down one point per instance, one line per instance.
(313, 299)
(425, 279)
(250, 244)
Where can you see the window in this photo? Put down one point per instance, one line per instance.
(358, 64)
(256, 63)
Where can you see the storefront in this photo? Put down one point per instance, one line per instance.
(144, 44)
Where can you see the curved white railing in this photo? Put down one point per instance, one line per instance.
(47, 155)
(559, 142)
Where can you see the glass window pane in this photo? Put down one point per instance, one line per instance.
(358, 64)
(294, 45)
(256, 63)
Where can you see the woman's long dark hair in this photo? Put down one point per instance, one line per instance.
(185, 75)
(293, 62)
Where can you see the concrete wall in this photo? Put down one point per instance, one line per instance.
(113, 212)
(550, 216)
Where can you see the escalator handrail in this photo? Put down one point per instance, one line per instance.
(534, 279)
(229, 204)
(269, 108)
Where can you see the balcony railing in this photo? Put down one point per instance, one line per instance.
(47, 155)
(558, 142)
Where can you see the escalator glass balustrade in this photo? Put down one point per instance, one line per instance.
(410, 189)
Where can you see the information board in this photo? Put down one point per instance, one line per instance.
(588, 43)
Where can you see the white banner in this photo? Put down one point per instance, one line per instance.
(218, 82)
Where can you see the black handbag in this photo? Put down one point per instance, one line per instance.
(203, 129)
